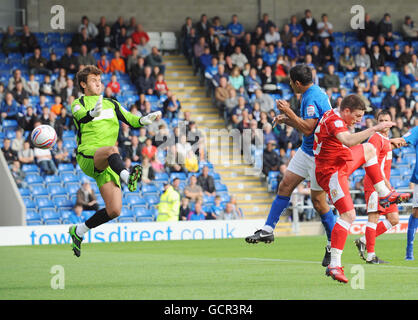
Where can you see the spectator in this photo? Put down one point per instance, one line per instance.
(57, 106)
(17, 77)
(272, 36)
(238, 112)
(44, 159)
(69, 61)
(172, 107)
(130, 29)
(370, 29)
(47, 88)
(361, 80)
(317, 59)
(9, 154)
(265, 101)
(346, 61)
(309, 27)
(148, 174)
(114, 84)
(139, 35)
(103, 64)
(391, 98)
(53, 64)
(120, 38)
(295, 28)
(363, 59)
(235, 29)
(271, 159)
(106, 41)
(193, 191)
(69, 91)
(155, 59)
(293, 50)
(270, 56)
(37, 63)
(61, 154)
(325, 28)
(197, 213)
(126, 48)
(28, 41)
(221, 73)
(91, 29)
(405, 57)
(202, 27)
(238, 58)
(63, 122)
(331, 80)
(389, 79)
(286, 35)
(326, 51)
(19, 93)
(399, 130)
(222, 93)
(289, 138)
(406, 77)
(10, 42)
(17, 142)
(169, 205)
(86, 197)
(265, 23)
(117, 64)
(220, 30)
(161, 87)
(413, 66)
(206, 182)
(18, 175)
(184, 209)
(409, 31)
(26, 155)
(9, 107)
(33, 86)
(236, 79)
(385, 27)
(134, 149)
(269, 82)
(252, 81)
(138, 69)
(27, 120)
(76, 215)
(229, 213)
(85, 58)
(149, 150)
(146, 83)
(80, 39)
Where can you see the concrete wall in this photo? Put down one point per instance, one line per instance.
(12, 208)
(169, 15)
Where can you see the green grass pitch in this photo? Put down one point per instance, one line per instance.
(289, 268)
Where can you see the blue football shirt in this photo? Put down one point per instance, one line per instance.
(314, 104)
(411, 137)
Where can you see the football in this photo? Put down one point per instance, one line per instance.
(44, 137)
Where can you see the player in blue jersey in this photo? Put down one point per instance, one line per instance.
(314, 104)
(411, 139)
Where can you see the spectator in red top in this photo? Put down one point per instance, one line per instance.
(104, 64)
(114, 84)
(160, 85)
(149, 150)
(139, 34)
(126, 48)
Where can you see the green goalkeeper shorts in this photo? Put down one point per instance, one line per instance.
(86, 164)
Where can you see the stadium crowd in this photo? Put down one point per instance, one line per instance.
(245, 71)
(42, 90)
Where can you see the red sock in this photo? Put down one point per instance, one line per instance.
(370, 236)
(339, 234)
(382, 227)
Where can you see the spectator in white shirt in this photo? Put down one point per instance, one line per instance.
(272, 36)
(325, 27)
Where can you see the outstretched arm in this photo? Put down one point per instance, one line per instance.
(352, 139)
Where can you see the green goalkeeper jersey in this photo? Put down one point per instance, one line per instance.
(101, 131)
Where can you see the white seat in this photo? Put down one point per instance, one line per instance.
(169, 41)
(155, 39)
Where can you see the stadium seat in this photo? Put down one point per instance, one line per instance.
(149, 189)
(181, 175)
(55, 189)
(65, 215)
(44, 202)
(126, 215)
(25, 192)
(168, 41)
(30, 168)
(72, 187)
(69, 177)
(224, 196)
(220, 187)
(38, 190)
(142, 214)
(50, 216)
(52, 179)
(29, 204)
(161, 176)
(33, 218)
(62, 202)
(65, 167)
(154, 39)
(86, 214)
(151, 200)
(135, 199)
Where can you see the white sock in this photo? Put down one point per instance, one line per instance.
(363, 239)
(370, 256)
(329, 243)
(267, 228)
(335, 258)
(124, 175)
(81, 229)
(387, 224)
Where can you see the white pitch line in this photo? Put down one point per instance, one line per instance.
(318, 263)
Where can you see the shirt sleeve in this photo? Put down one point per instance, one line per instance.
(126, 116)
(336, 126)
(411, 137)
(310, 109)
(80, 113)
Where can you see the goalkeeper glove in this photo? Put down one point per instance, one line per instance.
(148, 119)
(97, 108)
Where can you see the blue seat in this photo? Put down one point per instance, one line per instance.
(135, 199)
(38, 190)
(224, 196)
(44, 202)
(72, 187)
(65, 167)
(220, 187)
(29, 204)
(30, 168)
(151, 200)
(33, 218)
(50, 216)
(126, 215)
(62, 202)
(54, 189)
(181, 175)
(86, 214)
(25, 192)
(69, 177)
(161, 176)
(34, 178)
(53, 179)
(142, 214)
(65, 215)
(149, 189)
(68, 134)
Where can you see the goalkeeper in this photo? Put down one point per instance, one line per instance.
(97, 122)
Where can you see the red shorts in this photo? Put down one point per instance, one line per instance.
(372, 203)
(334, 180)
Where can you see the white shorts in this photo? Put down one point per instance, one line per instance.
(303, 165)
(415, 197)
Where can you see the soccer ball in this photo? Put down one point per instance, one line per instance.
(44, 137)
